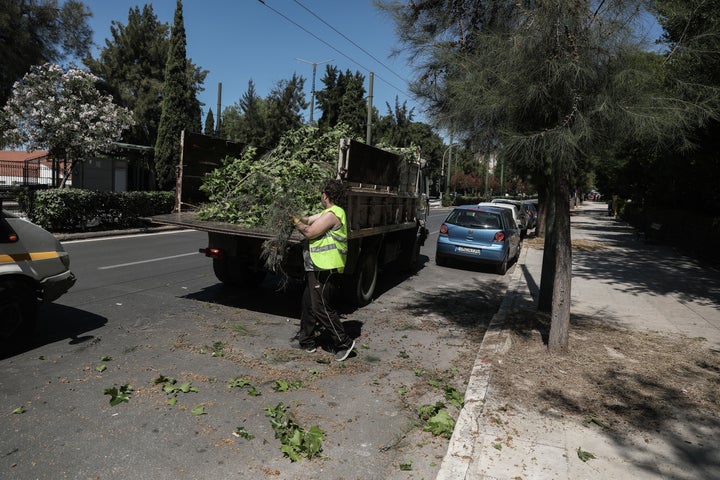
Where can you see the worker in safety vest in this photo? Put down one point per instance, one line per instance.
(324, 255)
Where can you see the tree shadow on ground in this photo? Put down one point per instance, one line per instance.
(656, 397)
(636, 268)
(470, 307)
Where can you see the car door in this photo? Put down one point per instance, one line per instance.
(513, 233)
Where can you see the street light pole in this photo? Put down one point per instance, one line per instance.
(442, 168)
(312, 92)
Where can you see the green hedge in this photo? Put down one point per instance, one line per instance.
(76, 210)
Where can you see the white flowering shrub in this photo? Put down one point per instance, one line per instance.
(63, 112)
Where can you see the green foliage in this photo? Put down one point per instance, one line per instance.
(343, 101)
(284, 106)
(241, 432)
(72, 210)
(131, 65)
(265, 191)
(437, 420)
(440, 424)
(180, 107)
(39, 32)
(454, 397)
(118, 395)
(583, 455)
(296, 443)
(209, 123)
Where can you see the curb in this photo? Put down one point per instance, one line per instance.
(463, 444)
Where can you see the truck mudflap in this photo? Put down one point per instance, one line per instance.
(54, 287)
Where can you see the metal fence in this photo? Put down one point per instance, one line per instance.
(26, 173)
(18, 175)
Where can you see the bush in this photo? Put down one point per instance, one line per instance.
(73, 210)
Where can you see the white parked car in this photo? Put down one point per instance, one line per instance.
(520, 219)
(522, 213)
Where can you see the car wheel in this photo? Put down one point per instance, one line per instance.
(502, 267)
(18, 310)
(440, 260)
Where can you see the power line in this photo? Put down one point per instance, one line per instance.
(332, 47)
(349, 40)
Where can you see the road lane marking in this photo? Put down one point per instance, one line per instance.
(148, 261)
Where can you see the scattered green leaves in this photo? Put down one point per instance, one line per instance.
(198, 410)
(241, 432)
(441, 424)
(454, 397)
(218, 349)
(406, 466)
(118, 395)
(101, 368)
(106, 358)
(403, 354)
(596, 419)
(296, 442)
(437, 420)
(283, 386)
(242, 383)
(497, 446)
(583, 455)
(171, 387)
(19, 410)
(238, 383)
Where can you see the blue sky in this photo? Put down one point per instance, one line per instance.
(242, 40)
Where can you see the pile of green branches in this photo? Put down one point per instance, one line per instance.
(266, 191)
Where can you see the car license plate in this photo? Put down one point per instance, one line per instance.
(475, 251)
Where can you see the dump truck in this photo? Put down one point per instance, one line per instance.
(34, 268)
(387, 208)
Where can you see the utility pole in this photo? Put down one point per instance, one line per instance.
(368, 135)
(312, 92)
(219, 101)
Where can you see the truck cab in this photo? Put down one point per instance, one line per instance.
(34, 268)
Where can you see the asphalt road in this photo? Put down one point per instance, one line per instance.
(148, 308)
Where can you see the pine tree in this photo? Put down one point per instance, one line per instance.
(180, 108)
(210, 123)
(33, 33)
(544, 84)
(132, 66)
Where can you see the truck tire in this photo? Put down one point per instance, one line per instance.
(411, 257)
(18, 310)
(235, 273)
(365, 279)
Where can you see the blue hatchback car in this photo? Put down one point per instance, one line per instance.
(479, 234)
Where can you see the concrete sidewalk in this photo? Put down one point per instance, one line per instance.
(626, 282)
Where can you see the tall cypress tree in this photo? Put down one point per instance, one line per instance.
(179, 106)
(210, 123)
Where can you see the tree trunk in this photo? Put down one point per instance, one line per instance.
(560, 312)
(547, 277)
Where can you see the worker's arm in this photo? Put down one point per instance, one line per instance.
(317, 224)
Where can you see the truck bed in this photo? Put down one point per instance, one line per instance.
(190, 220)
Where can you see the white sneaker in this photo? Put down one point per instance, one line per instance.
(341, 355)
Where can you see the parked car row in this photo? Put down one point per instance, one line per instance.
(486, 233)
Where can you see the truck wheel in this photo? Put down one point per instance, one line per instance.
(18, 310)
(365, 279)
(410, 258)
(235, 273)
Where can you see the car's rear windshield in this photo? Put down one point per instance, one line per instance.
(474, 219)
